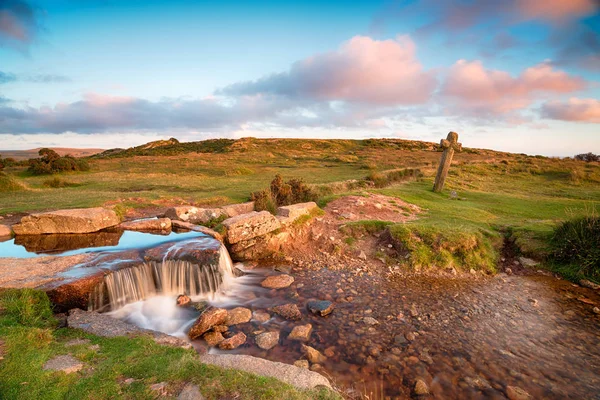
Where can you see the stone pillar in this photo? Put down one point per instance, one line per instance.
(450, 144)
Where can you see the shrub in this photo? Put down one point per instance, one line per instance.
(9, 184)
(576, 243)
(58, 183)
(282, 193)
(587, 157)
(50, 162)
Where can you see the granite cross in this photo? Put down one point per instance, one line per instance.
(450, 144)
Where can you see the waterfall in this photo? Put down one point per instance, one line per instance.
(169, 277)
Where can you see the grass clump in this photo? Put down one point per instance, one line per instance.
(366, 227)
(383, 179)
(444, 247)
(57, 182)
(9, 184)
(576, 247)
(26, 307)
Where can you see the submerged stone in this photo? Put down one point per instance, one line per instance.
(238, 315)
(320, 307)
(267, 340)
(301, 333)
(233, 342)
(288, 311)
(277, 281)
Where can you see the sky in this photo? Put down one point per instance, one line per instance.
(513, 75)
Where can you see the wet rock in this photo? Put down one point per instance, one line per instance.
(238, 315)
(220, 328)
(79, 220)
(288, 311)
(190, 392)
(589, 284)
(528, 262)
(313, 355)
(413, 310)
(267, 340)
(213, 338)
(516, 393)
(210, 317)
(302, 364)
(301, 333)
(233, 342)
(261, 316)
(151, 224)
(66, 363)
(421, 388)
(400, 340)
(320, 307)
(370, 321)
(277, 281)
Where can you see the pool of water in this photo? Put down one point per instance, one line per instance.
(67, 245)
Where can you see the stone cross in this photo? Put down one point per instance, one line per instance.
(450, 144)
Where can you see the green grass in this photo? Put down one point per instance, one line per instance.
(29, 340)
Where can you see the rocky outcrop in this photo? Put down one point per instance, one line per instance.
(210, 317)
(195, 215)
(75, 294)
(289, 214)
(149, 224)
(237, 209)
(290, 374)
(81, 220)
(104, 325)
(249, 226)
(5, 231)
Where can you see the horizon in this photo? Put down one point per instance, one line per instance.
(521, 76)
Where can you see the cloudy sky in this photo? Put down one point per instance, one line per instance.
(514, 75)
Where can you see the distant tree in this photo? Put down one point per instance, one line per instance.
(587, 157)
(51, 162)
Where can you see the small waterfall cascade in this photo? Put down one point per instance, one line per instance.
(169, 277)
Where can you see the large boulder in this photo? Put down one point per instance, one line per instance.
(147, 224)
(78, 220)
(195, 215)
(237, 209)
(249, 226)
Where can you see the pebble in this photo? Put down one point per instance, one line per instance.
(267, 340)
(301, 333)
(370, 321)
(421, 388)
(302, 364)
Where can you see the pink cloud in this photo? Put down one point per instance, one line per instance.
(12, 27)
(361, 70)
(471, 86)
(554, 10)
(575, 109)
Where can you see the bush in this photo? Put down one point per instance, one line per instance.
(50, 162)
(587, 157)
(576, 243)
(282, 193)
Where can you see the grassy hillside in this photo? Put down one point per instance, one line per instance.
(498, 193)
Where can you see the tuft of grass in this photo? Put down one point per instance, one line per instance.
(57, 182)
(576, 247)
(425, 245)
(9, 184)
(316, 212)
(27, 307)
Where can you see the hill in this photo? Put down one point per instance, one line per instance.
(62, 151)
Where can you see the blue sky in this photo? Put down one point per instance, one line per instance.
(517, 75)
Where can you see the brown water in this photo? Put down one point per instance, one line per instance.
(471, 337)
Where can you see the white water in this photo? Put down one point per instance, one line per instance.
(146, 295)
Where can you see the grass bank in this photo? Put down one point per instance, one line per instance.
(29, 338)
